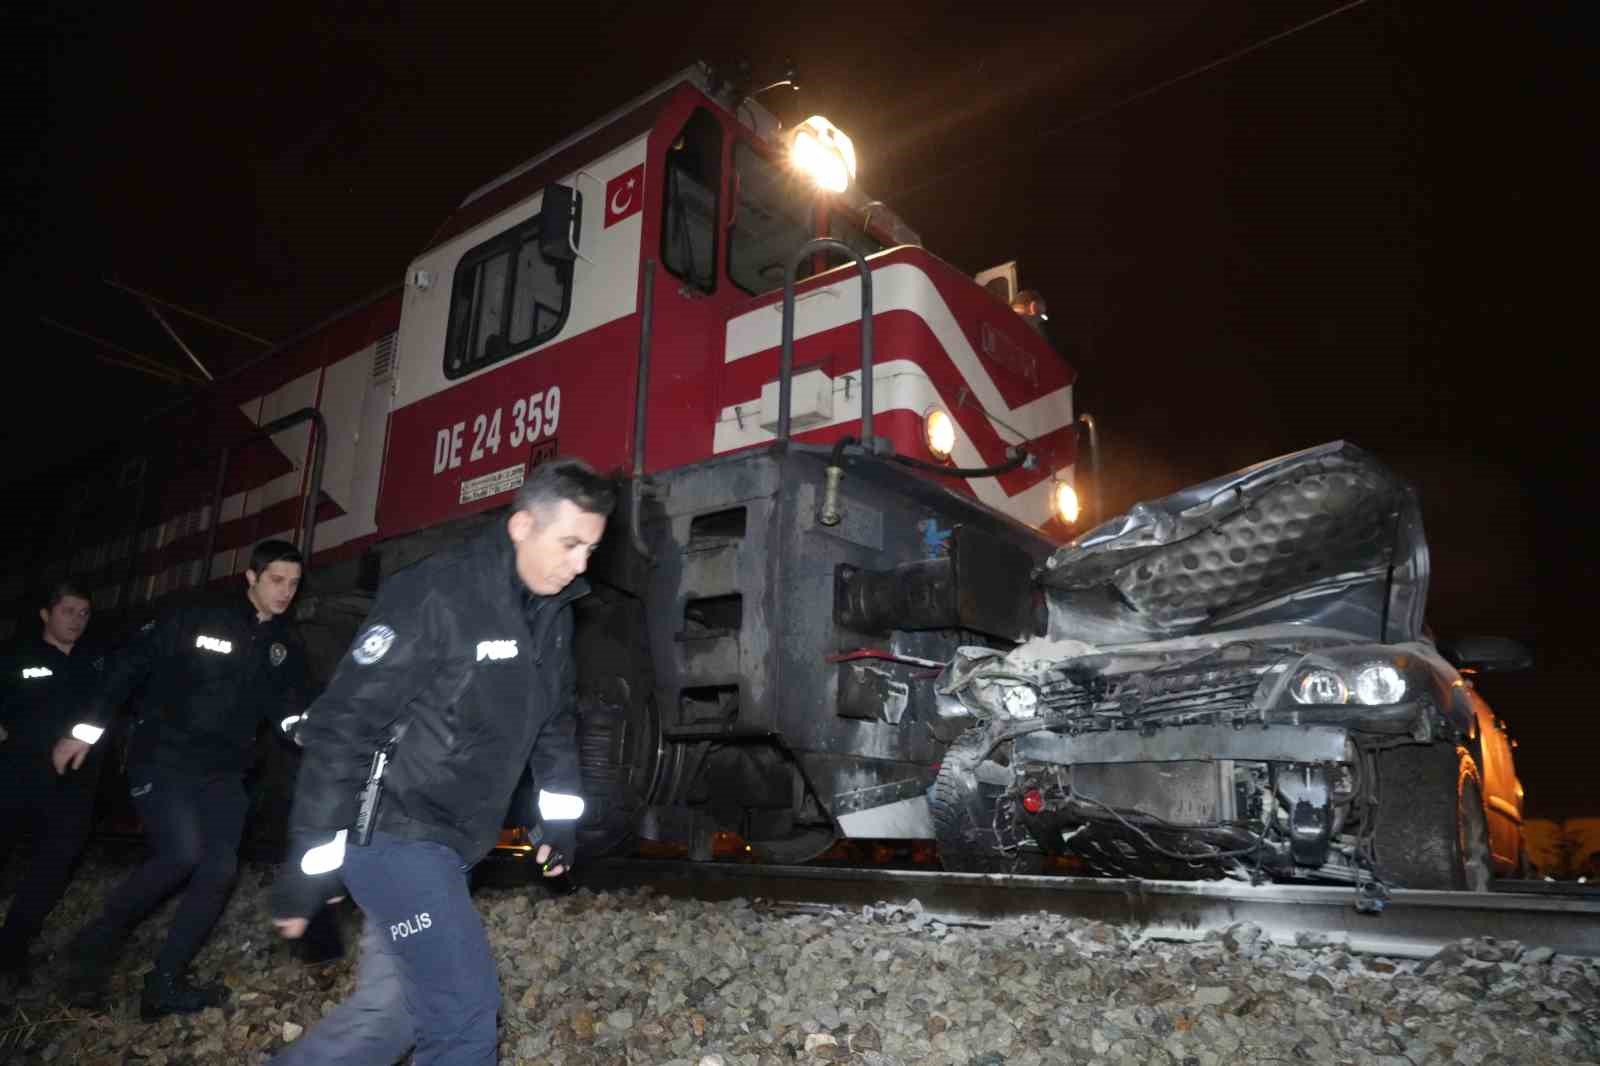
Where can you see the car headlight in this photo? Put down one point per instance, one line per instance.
(939, 430)
(1020, 701)
(1378, 683)
(1005, 699)
(1318, 685)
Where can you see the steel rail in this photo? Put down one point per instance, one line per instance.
(1412, 924)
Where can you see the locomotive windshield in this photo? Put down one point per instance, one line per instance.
(775, 212)
(772, 217)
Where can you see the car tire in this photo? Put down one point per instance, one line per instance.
(963, 809)
(1431, 831)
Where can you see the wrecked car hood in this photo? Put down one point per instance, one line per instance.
(1326, 538)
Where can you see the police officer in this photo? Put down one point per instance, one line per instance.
(462, 678)
(45, 681)
(213, 673)
(1030, 307)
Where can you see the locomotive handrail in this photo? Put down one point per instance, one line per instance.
(308, 513)
(1091, 518)
(786, 355)
(640, 395)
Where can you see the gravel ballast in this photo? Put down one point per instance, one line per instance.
(633, 977)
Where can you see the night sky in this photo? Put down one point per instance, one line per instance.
(1357, 230)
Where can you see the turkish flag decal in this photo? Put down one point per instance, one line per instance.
(624, 195)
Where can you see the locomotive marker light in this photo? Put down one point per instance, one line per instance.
(1064, 502)
(822, 152)
(939, 430)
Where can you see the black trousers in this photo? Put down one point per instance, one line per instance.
(57, 811)
(193, 823)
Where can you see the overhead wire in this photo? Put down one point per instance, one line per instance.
(1148, 91)
(144, 364)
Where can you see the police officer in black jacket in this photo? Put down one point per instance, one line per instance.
(462, 678)
(212, 673)
(44, 682)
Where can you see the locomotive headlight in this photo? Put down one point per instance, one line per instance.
(939, 430)
(1064, 502)
(1318, 685)
(1378, 683)
(822, 152)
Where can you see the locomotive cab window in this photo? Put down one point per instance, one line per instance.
(507, 297)
(689, 221)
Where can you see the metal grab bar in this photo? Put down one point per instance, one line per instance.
(1094, 504)
(640, 395)
(786, 355)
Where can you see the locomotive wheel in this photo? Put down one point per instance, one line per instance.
(619, 729)
(802, 846)
(1431, 830)
(963, 809)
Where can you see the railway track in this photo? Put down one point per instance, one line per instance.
(1410, 924)
(1563, 916)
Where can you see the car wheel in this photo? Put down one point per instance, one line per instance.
(1473, 829)
(963, 808)
(1431, 832)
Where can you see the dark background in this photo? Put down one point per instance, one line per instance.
(1368, 228)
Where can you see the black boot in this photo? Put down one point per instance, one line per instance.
(174, 993)
(16, 969)
(88, 975)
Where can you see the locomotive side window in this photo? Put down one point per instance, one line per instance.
(507, 298)
(689, 219)
(772, 218)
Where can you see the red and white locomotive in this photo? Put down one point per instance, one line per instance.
(805, 527)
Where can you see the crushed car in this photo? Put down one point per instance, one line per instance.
(1236, 681)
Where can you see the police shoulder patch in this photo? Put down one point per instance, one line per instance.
(372, 645)
(277, 653)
